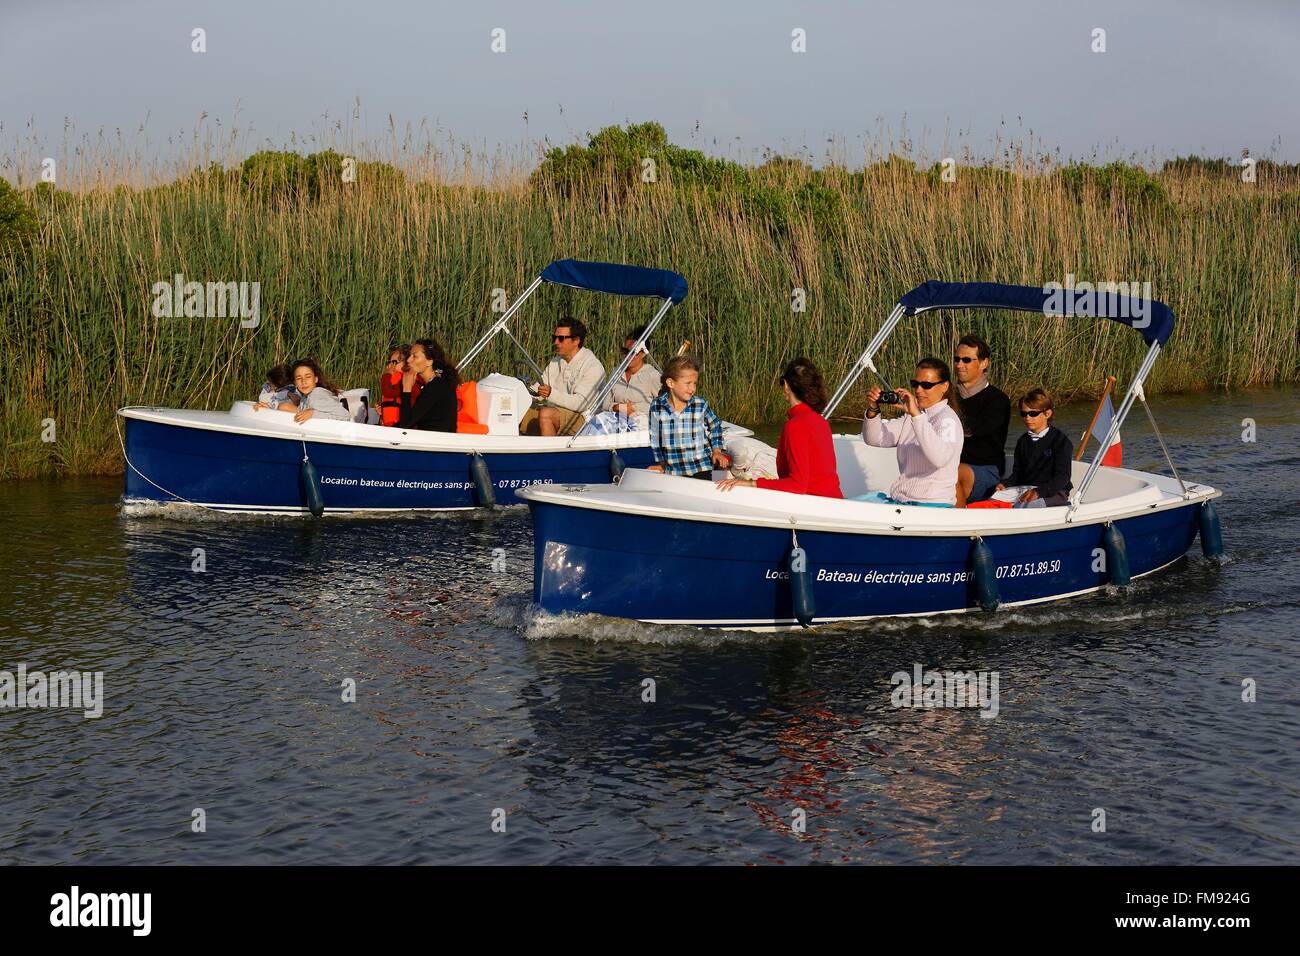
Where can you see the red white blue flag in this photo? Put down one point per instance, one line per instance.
(1106, 415)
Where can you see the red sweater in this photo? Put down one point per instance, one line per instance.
(805, 456)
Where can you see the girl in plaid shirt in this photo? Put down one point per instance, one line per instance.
(685, 434)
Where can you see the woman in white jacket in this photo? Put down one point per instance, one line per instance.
(928, 437)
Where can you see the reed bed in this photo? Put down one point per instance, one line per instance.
(345, 274)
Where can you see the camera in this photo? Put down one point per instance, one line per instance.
(888, 398)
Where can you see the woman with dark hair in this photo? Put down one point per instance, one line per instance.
(805, 455)
(928, 437)
(435, 407)
(320, 397)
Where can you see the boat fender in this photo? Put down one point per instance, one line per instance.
(984, 575)
(1116, 556)
(801, 592)
(482, 478)
(311, 486)
(1211, 532)
(615, 466)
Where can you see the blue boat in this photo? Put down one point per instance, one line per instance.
(262, 462)
(670, 550)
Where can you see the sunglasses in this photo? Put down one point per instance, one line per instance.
(925, 385)
(561, 338)
(963, 359)
(1032, 413)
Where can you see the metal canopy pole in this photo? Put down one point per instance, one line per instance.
(1161, 438)
(599, 397)
(864, 361)
(527, 358)
(499, 325)
(1129, 398)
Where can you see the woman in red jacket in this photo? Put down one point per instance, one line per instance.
(805, 455)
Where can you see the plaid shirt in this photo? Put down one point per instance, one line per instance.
(683, 442)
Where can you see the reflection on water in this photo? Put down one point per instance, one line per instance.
(225, 692)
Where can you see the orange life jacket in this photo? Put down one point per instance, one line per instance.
(390, 394)
(467, 410)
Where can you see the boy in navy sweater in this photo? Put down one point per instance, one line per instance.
(1043, 456)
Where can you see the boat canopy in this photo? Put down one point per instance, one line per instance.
(616, 279)
(1154, 320)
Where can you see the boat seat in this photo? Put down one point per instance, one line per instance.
(863, 469)
(357, 402)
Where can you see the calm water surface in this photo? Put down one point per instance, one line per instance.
(223, 692)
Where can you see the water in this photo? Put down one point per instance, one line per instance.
(224, 693)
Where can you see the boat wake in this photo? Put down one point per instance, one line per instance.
(1145, 601)
(518, 613)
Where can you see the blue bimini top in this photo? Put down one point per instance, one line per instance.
(614, 279)
(1154, 320)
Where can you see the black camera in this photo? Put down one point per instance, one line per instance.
(888, 398)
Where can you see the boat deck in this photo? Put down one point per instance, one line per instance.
(1115, 493)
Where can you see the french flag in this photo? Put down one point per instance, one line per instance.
(1106, 415)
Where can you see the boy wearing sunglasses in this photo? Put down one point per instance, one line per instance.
(1043, 456)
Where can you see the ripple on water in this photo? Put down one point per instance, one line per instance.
(225, 693)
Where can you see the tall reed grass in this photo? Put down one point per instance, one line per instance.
(375, 262)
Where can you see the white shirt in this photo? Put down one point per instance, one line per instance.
(574, 382)
(929, 452)
(641, 389)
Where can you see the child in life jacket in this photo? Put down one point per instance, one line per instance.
(390, 385)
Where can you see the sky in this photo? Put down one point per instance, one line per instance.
(1175, 78)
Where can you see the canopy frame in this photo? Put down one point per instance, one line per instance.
(866, 362)
(500, 325)
(594, 402)
(677, 293)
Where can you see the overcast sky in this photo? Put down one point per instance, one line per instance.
(1176, 77)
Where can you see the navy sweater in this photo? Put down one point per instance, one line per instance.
(987, 415)
(1045, 464)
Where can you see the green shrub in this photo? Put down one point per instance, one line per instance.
(614, 158)
(18, 222)
(272, 174)
(275, 174)
(1132, 186)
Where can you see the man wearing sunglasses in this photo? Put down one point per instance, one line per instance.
(986, 411)
(569, 380)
